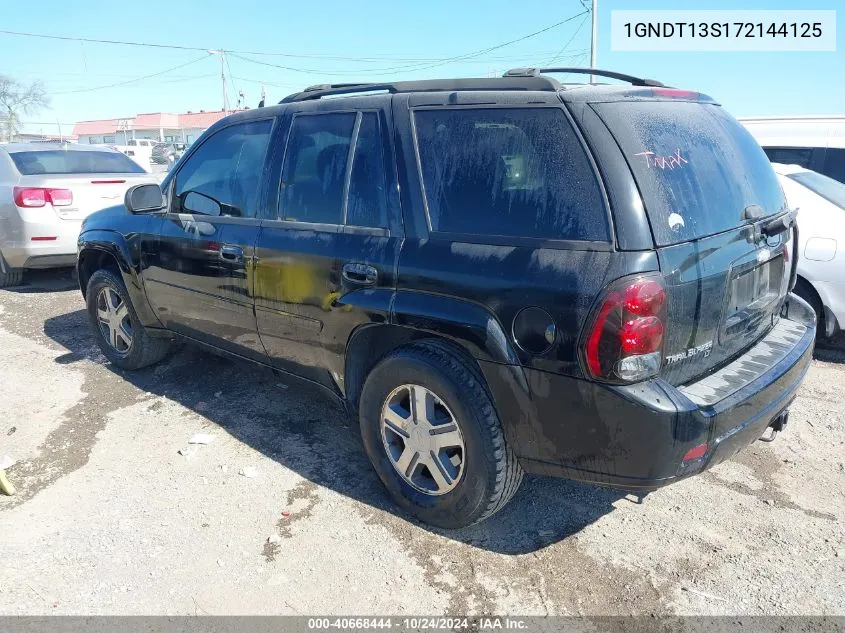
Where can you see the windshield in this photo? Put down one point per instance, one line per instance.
(74, 162)
(696, 167)
(828, 188)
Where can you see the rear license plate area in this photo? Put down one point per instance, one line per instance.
(753, 293)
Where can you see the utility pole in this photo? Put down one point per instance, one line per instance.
(594, 41)
(222, 54)
(223, 77)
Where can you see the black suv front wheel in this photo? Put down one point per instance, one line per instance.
(432, 434)
(119, 333)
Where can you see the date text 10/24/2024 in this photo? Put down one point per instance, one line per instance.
(418, 623)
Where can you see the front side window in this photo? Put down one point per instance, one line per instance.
(227, 168)
(314, 171)
(508, 172)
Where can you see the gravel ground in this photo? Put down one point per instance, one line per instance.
(110, 517)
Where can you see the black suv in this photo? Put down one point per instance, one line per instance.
(495, 275)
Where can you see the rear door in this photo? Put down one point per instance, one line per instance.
(198, 276)
(712, 199)
(325, 262)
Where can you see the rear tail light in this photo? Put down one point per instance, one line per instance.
(624, 340)
(33, 197)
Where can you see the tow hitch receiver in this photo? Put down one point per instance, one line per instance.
(776, 426)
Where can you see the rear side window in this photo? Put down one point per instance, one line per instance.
(228, 168)
(516, 172)
(800, 156)
(834, 164)
(314, 172)
(697, 168)
(74, 162)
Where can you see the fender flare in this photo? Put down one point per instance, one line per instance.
(116, 245)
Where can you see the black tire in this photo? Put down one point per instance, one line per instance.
(11, 278)
(491, 473)
(804, 290)
(145, 350)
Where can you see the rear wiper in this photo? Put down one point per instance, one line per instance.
(780, 224)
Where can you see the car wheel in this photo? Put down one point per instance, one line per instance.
(804, 290)
(432, 434)
(119, 333)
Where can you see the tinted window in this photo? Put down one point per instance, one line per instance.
(828, 188)
(512, 172)
(367, 203)
(790, 155)
(74, 162)
(314, 172)
(228, 167)
(697, 168)
(834, 164)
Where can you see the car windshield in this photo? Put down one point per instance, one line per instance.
(831, 190)
(74, 162)
(697, 168)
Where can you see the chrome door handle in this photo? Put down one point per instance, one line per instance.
(360, 274)
(231, 253)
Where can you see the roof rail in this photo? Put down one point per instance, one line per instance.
(520, 82)
(536, 72)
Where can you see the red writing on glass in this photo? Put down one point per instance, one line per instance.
(663, 162)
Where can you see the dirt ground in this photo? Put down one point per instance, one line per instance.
(110, 517)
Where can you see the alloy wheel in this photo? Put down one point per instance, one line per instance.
(114, 321)
(422, 439)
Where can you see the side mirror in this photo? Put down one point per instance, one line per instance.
(195, 202)
(146, 198)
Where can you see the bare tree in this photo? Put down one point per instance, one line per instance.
(16, 99)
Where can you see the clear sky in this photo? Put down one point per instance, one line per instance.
(336, 41)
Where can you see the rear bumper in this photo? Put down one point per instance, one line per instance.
(635, 437)
(22, 248)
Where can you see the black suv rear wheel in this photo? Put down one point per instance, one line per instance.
(432, 434)
(119, 333)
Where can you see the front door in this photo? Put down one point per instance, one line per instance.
(199, 280)
(326, 263)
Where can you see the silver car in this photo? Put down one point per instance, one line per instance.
(45, 192)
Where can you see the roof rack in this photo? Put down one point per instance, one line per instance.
(519, 82)
(536, 72)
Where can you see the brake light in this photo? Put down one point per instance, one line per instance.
(30, 197)
(675, 93)
(60, 197)
(33, 197)
(625, 339)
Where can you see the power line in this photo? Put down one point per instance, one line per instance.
(440, 62)
(130, 81)
(90, 40)
(568, 42)
(419, 65)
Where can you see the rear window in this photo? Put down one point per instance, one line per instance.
(74, 162)
(828, 188)
(697, 168)
(509, 172)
